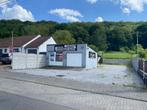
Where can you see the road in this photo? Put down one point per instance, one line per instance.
(15, 102)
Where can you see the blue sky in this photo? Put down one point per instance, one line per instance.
(74, 10)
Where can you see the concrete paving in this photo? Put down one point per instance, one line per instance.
(15, 102)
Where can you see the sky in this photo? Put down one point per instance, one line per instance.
(74, 10)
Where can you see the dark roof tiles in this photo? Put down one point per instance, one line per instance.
(17, 41)
(36, 43)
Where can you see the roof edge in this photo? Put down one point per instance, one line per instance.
(38, 36)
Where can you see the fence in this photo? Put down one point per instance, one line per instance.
(26, 61)
(143, 70)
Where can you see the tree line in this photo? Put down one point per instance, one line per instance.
(105, 36)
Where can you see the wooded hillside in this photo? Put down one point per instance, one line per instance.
(111, 36)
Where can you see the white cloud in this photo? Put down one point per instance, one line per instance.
(92, 1)
(99, 19)
(126, 10)
(136, 5)
(132, 5)
(3, 3)
(67, 14)
(17, 12)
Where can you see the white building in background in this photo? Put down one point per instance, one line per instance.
(75, 55)
(26, 44)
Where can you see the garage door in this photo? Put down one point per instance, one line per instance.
(74, 59)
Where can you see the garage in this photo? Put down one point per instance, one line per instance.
(74, 55)
(74, 60)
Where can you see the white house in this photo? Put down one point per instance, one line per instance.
(26, 44)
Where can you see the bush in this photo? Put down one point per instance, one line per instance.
(124, 49)
(131, 52)
(94, 48)
(142, 54)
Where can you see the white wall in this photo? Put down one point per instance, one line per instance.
(24, 61)
(90, 62)
(43, 47)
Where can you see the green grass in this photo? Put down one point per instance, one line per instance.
(117, 55)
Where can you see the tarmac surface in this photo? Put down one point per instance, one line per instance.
(10, 101)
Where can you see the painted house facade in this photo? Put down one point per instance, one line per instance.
(25, 44)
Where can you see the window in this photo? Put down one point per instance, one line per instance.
(92, 55)
(5, 50)
(43, 53)
(32, 51)
(16, 50)
(59, 57)
(1, 51)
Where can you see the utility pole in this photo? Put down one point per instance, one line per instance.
(137, 36)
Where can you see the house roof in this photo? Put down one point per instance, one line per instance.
(36, 43)
(17, 42)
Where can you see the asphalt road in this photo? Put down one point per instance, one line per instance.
(14, 102)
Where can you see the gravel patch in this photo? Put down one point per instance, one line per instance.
(104, 74)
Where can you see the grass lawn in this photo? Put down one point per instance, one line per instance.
(117, 55)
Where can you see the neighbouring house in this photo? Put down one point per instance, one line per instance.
(26, 44)
(75, 55)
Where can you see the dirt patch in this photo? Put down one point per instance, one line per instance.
(60, 76)
(63, 68)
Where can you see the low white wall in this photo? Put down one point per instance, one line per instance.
(26, 61)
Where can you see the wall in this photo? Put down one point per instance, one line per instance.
(24, 61)
(117, 61)
(81, 48)
(43, 47)
(90, 62)
(135, 62)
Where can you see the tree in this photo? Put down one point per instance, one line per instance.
(112, 36)
(100, 40)
(118, 38)
(79, 33)
(142, 29)
(94, 48)
(98, 36)
(63, 37)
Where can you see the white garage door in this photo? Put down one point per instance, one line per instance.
(74, 59)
